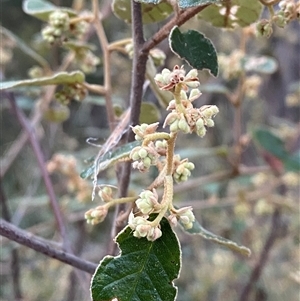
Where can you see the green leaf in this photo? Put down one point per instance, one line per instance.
(261, 64)
(191, 3)
(184, 3)
(60, 78)
(199, 230)
(292, 162)
(41, 9)
(195, 48)
(149, 113)
(150, 12)
(241, 13)
(25, 48)
(276, 146)
(214, 88)
(271, 143)
(110, 158)
(144, 271)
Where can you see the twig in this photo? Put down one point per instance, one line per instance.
(41, 162)
(275, 228)
(165, 30)
(106, 62)
(27, 239)
(15, 267)
(136, 91)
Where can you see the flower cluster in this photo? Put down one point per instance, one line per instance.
(86, 60)
(66, 165)
(69, 92)
(184, 215)
(144, 129)
(96, 215)
(184, 117)
(182, 170)
(60, 27)
(148, 202)
(143, 228)
(192, 120)
(231, 65)
(167, 79)
(289, 10)
(144, 157)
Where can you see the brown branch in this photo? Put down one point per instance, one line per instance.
(15, 267)
(257, 271)
(27, 239)
(41, 162)
(136, 92)
(165, 30)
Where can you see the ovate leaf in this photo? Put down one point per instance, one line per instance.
(191, 3)
(199, 230)
(144, 270)
(270, 143)
(261, 64)
(110, 158)
(195, 48)
(150, 12)
(215, 88)
(275, 146)
(184, 3)
(232, 13)
(41, 9)
(60, 78)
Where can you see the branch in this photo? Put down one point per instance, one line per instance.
(136, 92)
(106, 62)
(15, 267)
(256, 273)
(27, 239)
(41, 162)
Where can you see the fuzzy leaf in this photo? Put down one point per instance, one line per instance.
(144, 271)
(195, 48)
(214, 88)
(241, 13)
(276, 147)
(56, 79)
(184, 3)
(261, 64)
(199, 230)
(110, 158)
(191, 3)
(41, 9)
(150, 12)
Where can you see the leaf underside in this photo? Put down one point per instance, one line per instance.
(144, 271)
(199, 230)
(110, 158)
(184, 3)
(61, 78)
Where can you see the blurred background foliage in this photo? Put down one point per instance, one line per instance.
(226, 207)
